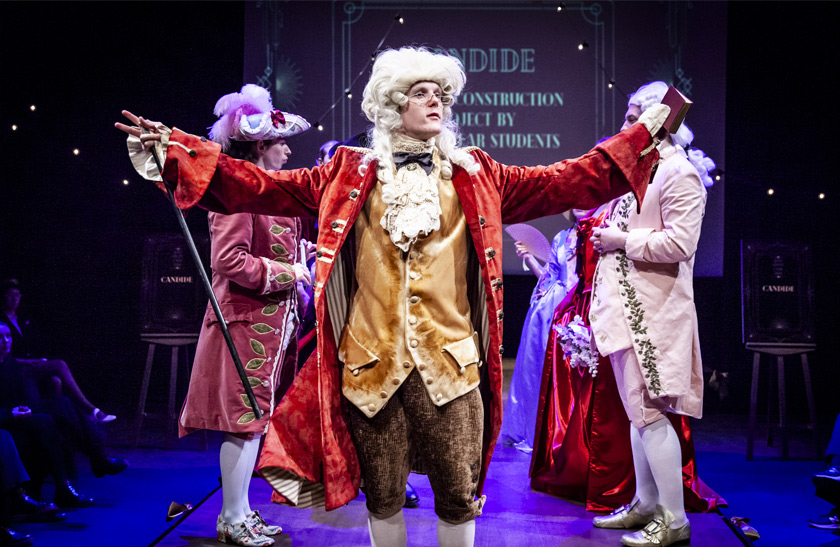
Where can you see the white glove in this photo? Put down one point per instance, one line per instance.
(654, 117)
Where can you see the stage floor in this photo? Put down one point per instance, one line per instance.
(513, 516)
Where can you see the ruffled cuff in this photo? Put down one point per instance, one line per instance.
(142, 159)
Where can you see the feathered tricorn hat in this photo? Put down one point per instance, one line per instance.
(250, 116)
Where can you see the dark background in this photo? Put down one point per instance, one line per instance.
(73, 233)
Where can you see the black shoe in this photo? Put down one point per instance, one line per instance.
(10, 538)
(107, 466)
(67, 496)
(412, 500)
(26, 509)
(829, 521)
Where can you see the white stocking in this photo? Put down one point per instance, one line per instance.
(646, 491)
(389, 532)
(662, 448)
(249, 453)
(456, 535)
(236, 465)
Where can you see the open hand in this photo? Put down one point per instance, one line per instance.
(147, 131)
(521, 250)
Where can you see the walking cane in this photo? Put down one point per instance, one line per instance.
(207, 287)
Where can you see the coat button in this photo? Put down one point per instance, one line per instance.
(356, 372)
(481, 220)
(383, 394)
(406, 364)
(412, 320)
(371, 407)
(334, 224)
(422, 367)
(395, 381)
(203, 139)
(463, 370)
(439, 396)
(414, 299)
(414, 343)
(319, 254)
(193, 153)
(354, 193)
(429, 381)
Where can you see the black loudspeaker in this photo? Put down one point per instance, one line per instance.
(777, 294)
(172, 296)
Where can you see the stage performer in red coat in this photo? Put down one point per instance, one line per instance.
(582, 443)
(256, 273)
(408, 288)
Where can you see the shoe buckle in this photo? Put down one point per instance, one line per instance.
(653, 527)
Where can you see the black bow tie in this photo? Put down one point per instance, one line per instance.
(424, 160)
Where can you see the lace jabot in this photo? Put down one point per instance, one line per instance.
(411, 196)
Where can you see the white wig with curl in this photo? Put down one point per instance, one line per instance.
(393, 74)
(652, 94)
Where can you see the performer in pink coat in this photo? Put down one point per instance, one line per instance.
(257, 268)
(642, 315)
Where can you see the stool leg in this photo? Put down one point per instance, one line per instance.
(780, 365)
(144, 391)
(753, 402)
(812, 411)
(173, 384)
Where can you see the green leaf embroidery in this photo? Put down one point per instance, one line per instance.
(258, 348)
(283, 277)
(279, 249)
(281, 259)
(254, 381)
(245, 400)
(255, 364)
(247, 418)
(271, 309)
(262, 328)
(277, 230)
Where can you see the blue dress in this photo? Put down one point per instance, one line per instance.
(520, 412)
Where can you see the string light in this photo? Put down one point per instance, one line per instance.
(125, 182)
(611, 84)
(582, 45)
(397, 19)
(560, 6)
(75, 151)
(32, 108)
(821, 196)
(770, 191)
(14, 127)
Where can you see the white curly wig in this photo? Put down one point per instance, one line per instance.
(651, 94)
(393, 74)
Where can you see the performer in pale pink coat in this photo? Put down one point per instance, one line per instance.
(642, 316)
(256, 270)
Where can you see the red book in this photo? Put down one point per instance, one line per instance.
(679, 105)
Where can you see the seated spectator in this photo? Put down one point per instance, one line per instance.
(53, 376)
(827, 483)
(35, 424)
(15, 505)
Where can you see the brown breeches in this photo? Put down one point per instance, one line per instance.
(446, 438)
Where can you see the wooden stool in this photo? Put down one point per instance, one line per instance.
(780, 352)
(176, 342)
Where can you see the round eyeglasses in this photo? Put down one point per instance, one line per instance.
(423, 97)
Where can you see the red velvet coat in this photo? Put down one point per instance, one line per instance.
(308, 436)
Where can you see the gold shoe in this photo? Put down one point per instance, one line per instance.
(658, 532)
(625, 517)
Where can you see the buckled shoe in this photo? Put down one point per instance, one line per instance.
(658, 533)
(240, 534)
(625, 517)
(261, 526)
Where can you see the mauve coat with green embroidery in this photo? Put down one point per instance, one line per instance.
(251, 259)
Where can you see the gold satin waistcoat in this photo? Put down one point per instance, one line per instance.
(409, 309)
